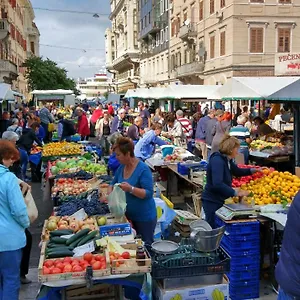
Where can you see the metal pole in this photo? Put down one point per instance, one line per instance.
(231, 111)
(296, 134)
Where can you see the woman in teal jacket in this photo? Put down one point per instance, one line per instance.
(13, 221)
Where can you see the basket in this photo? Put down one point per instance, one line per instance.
(241, 253)
(246, 272)
(241, 261)
(167, 150)
(232, 244)
(244, 290)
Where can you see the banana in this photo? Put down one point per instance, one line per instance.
(217, 295)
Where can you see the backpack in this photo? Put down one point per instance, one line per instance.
(68, 128)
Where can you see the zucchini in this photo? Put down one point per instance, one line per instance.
(58, 249)
(88, 238)
(62, 253)
(58, 240)
(61, 232)
(77, 236)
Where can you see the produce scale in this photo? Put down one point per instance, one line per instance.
(235, 211)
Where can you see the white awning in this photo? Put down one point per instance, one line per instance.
(52, 92)
(6, 93)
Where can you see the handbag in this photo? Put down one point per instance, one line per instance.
(31, 207)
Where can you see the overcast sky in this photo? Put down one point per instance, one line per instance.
(74, 31)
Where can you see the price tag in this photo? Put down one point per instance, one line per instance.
(80, 215)
(79, 251)
(66, 236)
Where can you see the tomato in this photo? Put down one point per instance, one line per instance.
(59, 260)
(85, 265)
(117, 264)
(88, 256)
(48, 263)
(98, 257)
(112, 258)
(126, 255)
(55, 271)
(60, 266)
(67, 260)
(103, 265)
(77, 268)
(92, 261)
(117, 255)
(96, 265)
(82, 262)
(67, 268)
(46, 271)
(75, 262)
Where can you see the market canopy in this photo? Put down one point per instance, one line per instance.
(52, 92)
(6, 93)
(253, 88)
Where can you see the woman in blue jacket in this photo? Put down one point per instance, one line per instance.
(13, 222)
(145, 147)
(220, 169)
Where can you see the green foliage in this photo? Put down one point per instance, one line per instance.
(44, 74)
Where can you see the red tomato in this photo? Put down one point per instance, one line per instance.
(82, 262)
(96, 265)
(88, 256)
(77, 268)
(92, 261)
(103, 259)
(67, 260)
(55, 271)
(59, 260)
(126, 255)
(86, 264)
(98, 257)
(75, 262)
(60, 266)
(46, 271)
(117, 255)
(103, 265)
(67, 268)
(48, 263)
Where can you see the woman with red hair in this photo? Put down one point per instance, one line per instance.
(221, 129)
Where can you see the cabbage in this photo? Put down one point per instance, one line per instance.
(54, 170)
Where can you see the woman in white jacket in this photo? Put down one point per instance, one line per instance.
(103, 128)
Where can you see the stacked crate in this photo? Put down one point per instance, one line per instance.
(242, 242)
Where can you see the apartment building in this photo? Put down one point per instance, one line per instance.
(122, 46)
(154, 38)
(213, 40)
(19, 39)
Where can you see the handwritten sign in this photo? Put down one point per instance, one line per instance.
(79, 251)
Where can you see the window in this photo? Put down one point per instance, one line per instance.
(149, 17)
(222, 43)
(178, 24)
(257, 1)
(162, 36)
(212, 46)
(135, 37)
(173, 26)
(284, 40)
(256, 40)
(184, 15)
(167, 33)
(222, 3)
(32, 47)
(285, 1)
(201, 11)
(134, 16)
(212, 6)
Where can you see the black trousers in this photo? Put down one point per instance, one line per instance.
(26, 254)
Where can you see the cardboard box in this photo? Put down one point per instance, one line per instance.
(161, 208)
(196, 292)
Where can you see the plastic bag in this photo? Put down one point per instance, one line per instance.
(31, 207)
(117, 201)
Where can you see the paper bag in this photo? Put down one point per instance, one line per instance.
(31, 207)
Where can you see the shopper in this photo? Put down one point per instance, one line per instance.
(133, 131)
(13, 220)
(262, 128)
(243, 135)
(136, 180)
(200, 137)
(221, 129)
(65, 128)
(113, 164)
(15, 127)
(220, 169)
(97, 114)
(110, 109)
(46, 118)
(117, 124)
(103, 131)
(83, 125)
(158, 117)
(145, 115)
(288, 268)
(186, 125)
(145, 147)
(175, 132)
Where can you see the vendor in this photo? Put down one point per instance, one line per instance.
(262, 128)
(220, 169)
(145, 147)
(136, 181)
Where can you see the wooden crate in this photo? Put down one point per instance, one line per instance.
(130, 266)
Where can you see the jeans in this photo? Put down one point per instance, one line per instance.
(10, 274)
(245, 151)
(210, 209)
(47, 133)
(104, 145)
(283, 296)
(24, 163)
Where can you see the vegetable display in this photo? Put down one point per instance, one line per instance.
(61, 148)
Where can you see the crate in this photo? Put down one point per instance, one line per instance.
(250, 290)
(130, 266)
(241, 253)
(182, 169)
(249, 272)
(232, 244)
(242, 261)
(191, 265)
(242, 237)
(239, 228)
(115, 227)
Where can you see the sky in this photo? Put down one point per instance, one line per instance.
(72, 30)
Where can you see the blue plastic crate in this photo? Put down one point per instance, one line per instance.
(251, 273)
(232, 244)
(182, 169)
(241, 261)
(242, 237)
(240, 291)
(240, 253)
(239, 228)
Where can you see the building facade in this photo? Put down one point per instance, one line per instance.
(94, 87)
(19, 39)
(122, 46)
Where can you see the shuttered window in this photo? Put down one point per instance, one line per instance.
(256, 40)
(257, 1)
(285, 1)
(222, 3)
(284, 40)
(222, 43)
(212, 6)
(212, 47)
(201, 10)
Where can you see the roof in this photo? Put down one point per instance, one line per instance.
(52, 92)
(6, 93)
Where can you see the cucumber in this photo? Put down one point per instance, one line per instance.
(54, 245)
(62, 253)
(61, 232)
(88, 238)
(58, 249)
(77, 236)
(58, 240)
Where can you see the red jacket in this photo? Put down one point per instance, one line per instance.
(83, 126)
(110, 110)
(97, 114)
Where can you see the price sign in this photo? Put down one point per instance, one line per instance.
(80, 215)
(79, 251)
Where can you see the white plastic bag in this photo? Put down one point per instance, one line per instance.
(31, 207)
(117, 201)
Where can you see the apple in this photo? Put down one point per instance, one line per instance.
(101, 221)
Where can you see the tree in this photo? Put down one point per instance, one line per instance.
(44, 74)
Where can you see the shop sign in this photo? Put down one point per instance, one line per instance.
(287, 64)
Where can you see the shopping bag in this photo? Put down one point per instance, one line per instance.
(51, 127)
(117, 201)
(31, 207)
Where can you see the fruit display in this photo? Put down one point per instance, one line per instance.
(262, 145)
(61, 149)
(173, 158)
(274, 188)
(114, 247)
(70, 224)
(69, 186)
(72, 165)
(66, 112)
(36, 149)
(70, 265)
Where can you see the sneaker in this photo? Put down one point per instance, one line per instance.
(25, 280)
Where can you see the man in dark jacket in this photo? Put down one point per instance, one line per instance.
(117, 124)
(28, 137)
(133, 131)
(288, 268)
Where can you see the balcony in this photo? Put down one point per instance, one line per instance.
(32, 31)
(8, 71)
(192, 69)
(187, 32)
(126, 60)
(4, 29)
